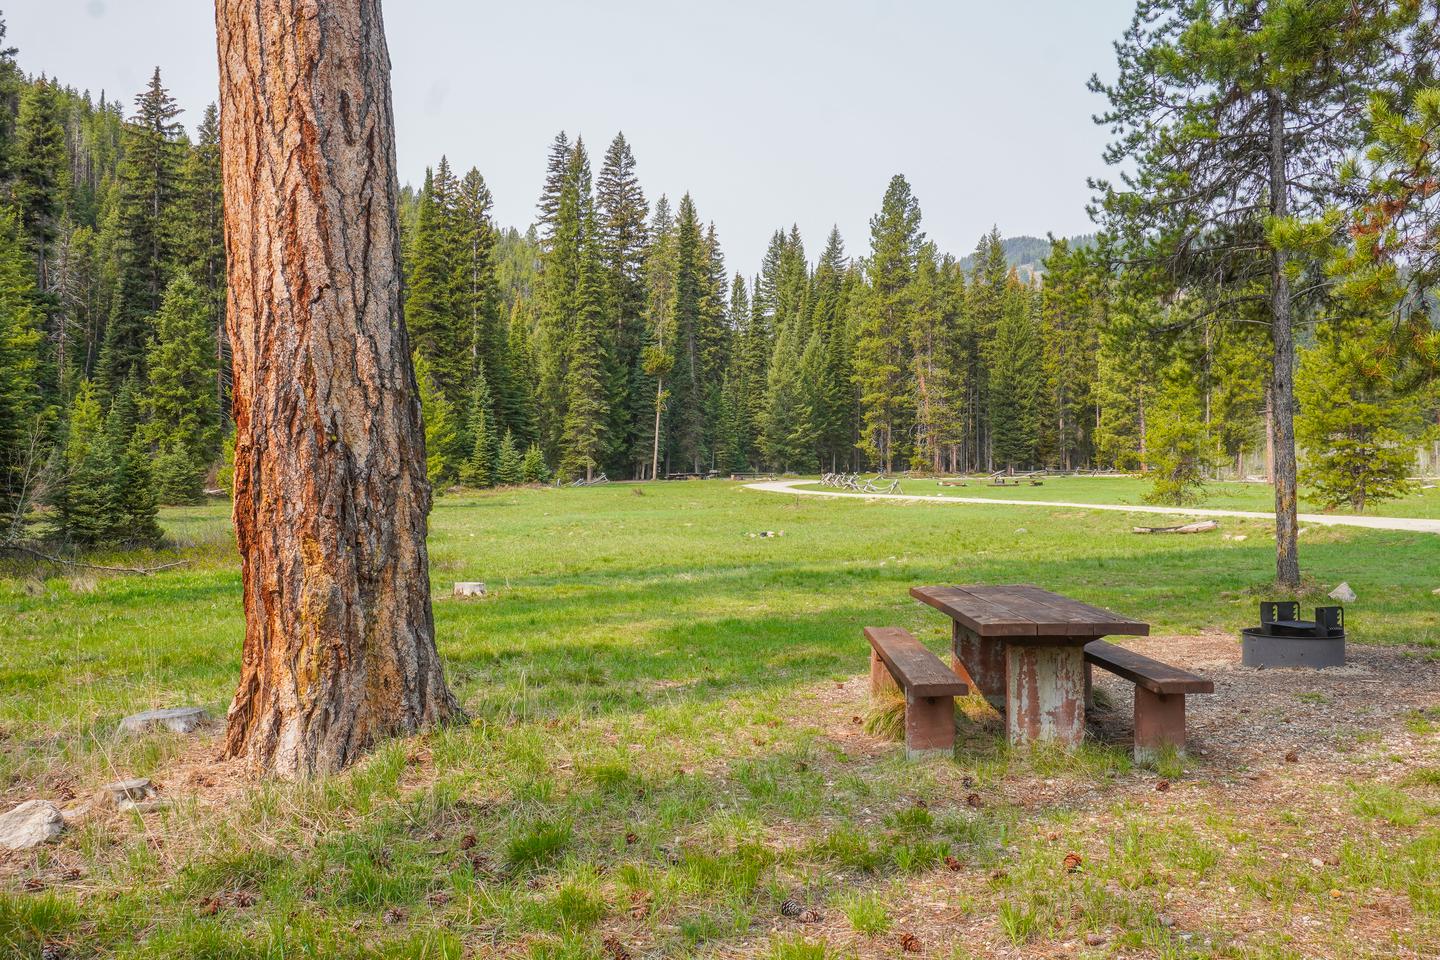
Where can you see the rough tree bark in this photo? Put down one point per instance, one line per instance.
(331, 496)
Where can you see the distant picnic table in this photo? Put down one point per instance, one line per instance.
(1023, 648)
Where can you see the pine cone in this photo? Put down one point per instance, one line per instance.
(910, 943)
(615, 948)
(1072, 862)
(953, 863)
(811, 916)
(791, 908)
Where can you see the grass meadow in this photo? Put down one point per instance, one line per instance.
(665, 744)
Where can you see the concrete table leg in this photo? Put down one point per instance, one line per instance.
(982, 663)
(929, 726)
(1159, 723)
(1045, 694)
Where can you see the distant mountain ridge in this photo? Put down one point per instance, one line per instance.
(1026, 253)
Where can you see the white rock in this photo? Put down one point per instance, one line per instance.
(180, 720)
(469, 588)
(1343, 593)
(32, 823)
(1435, 592)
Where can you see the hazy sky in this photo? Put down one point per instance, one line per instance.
(767, 112)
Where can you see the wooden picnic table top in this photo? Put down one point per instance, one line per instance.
(1020, 611)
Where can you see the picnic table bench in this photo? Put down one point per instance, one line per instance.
(1160, 691)
(899, 660)
(1023, 648)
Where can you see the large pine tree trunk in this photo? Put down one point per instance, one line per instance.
(331, 496)
(1282, 378)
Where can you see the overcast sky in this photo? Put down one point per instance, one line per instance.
(768, 111)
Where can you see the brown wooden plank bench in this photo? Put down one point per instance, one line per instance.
(1160, 690)
(930, 687)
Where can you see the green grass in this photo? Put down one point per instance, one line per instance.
(1129, 490)
(644, 758)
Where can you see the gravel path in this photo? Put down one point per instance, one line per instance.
(1337, 520)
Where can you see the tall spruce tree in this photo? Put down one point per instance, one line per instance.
(145, 229)
(41, 167)
(437, 309)
(621, 231)
(881, 356)
(583, 440)
(685, 414)
(560, 281)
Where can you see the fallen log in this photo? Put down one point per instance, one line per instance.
(1199, 526)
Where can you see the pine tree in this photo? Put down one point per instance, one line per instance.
(481, 301)
(560, 282)
(787, 431)
(509, 466)
(41, 187)
(183, 424)
(131, 503)
(985, 302)
(80, 492)
(437, 314)
(621, 232)
(582, 444)
(478, 470)
(1070, 316)
(930, 336)
(881, 357)
(1178, 447)
(830, 302)
(686, 411)
(1354, 416)
(657, 357)
(21, 407)
(148, 183)
(1014, 394)
(555, 172)
(533, 468)
(443, 437)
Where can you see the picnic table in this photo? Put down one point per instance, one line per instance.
(1023, 648)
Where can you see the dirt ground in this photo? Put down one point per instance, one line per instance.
(1267, 745)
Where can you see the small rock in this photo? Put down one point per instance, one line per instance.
(32, 823)
(76, 812)
(142, 806)
(179, 720)
(114, 794)
(1021, 530)
(1343, 593)
(469, 588)
(1435, 592)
